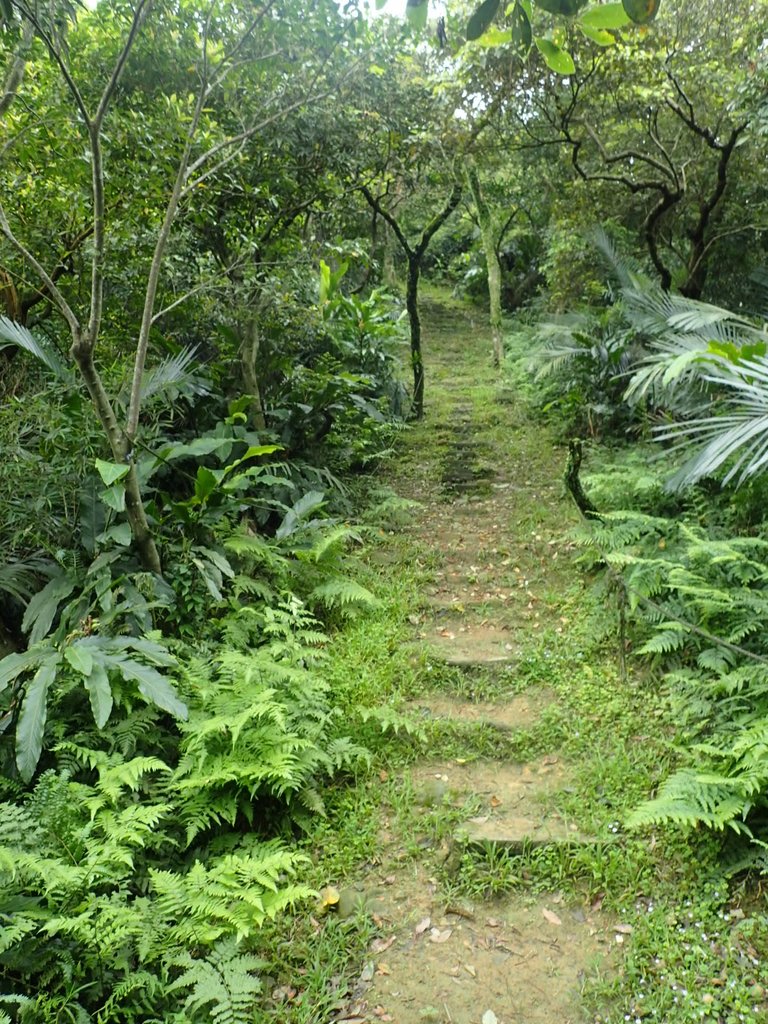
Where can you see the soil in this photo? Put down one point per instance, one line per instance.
(487, 502)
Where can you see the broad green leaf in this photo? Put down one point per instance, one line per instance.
(221, 562)
(495, 36)
(481, 20)
(416, 13)
(253, 452)
(604, 16)
(211, 578)
(641, 11)
(111, 472)
(155, 652)
(522, 35)
(114, 497)
(120, 534)
(557, 59)
(31, 725)
(12, 665)
(153, 686)
(80, 658)
(325, 281)
(598, 35)
(199, 447)
(205, 484)
(99, 694)
(307, 503)
(42, 609)
(565, 8)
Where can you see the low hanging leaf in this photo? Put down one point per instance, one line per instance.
(495, 36)
(416, 13)
(641, 11)
(598, 35)
(111, 472)
(480, 21)
(604, 16)
(559, 60)
(522, 35)
(565, 8)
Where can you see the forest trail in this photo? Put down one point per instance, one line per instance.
(492, 523)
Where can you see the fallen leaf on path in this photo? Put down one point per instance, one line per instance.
(495, 802)
(471, 971)
(493, 922)
(550, 759)
(380, 945)
(436, 935)
(383, 969)
(283, 994)
(329, 897)
(422, 926)
(551, 916)
(381, 1013)
(368, 971)
(489, 1017)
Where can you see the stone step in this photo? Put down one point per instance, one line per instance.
(473, 646)
(516, 833)
(512, 802)
(518, 711)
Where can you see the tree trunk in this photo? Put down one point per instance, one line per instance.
(412, 306)
(388, 268)
(82, 353)
(249, 355)
(489, 234)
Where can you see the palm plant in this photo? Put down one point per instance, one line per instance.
(708, 367)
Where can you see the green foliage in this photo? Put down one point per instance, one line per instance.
(586, 356)
(703, 601)
(262, 730)
(225, 983)
(131, 880)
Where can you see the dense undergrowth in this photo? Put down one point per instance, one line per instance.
(201, 763)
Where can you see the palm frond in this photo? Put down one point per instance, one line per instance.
(18, 336)
(20, 580)
(176, 372)
(627, 272)
(737, 429)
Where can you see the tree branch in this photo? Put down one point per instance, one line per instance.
(56, 296)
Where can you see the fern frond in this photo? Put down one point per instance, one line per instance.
(226, 982)
(343, 594)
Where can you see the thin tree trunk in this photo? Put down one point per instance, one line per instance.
(249, 356)
(82, 352)
(489, 233)
(417, 361)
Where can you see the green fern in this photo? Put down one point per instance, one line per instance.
(225, 984)
(230, 898)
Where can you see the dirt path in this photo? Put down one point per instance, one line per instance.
(492, 523)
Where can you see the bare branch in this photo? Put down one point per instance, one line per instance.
(140, 13)
(56, 296)
(16, 70)
(30, 15)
